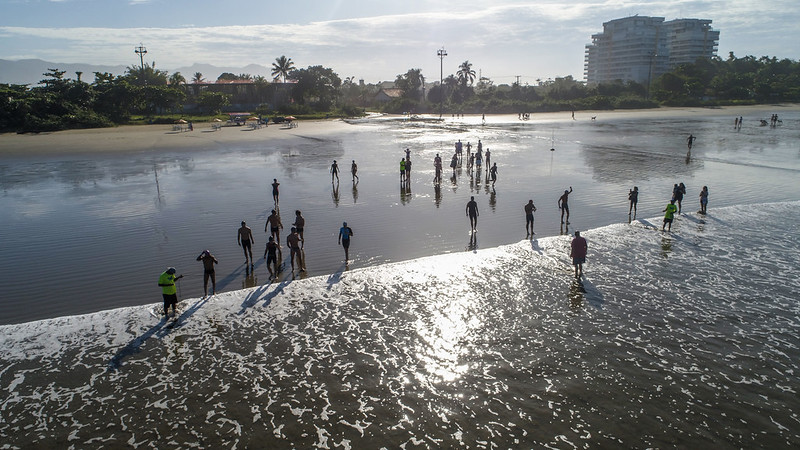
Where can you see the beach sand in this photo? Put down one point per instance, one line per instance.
(141, 138)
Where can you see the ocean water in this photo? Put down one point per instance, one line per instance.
(84, 233)
(686, 339)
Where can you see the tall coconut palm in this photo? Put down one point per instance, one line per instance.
(281, 67)
(465, 73)
(197, 78)
(176, 79)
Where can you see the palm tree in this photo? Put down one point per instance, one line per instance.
(281, 67)
(197, 78)
(465, 73)
(176, 79)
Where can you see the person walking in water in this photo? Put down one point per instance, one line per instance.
(274, 224)
(300, 224)
(208, 271)
(402, 170)
(633, 196)
(493, 171)
(563, 204)
(334, 171)
(578, 253)
(345, 233)
(703, 200)
(167, 281)
(271, 255)
(354, 170)
(245, 240)
(669, 211)
(472, 213)
(690, 140)
(275, 185)
(678, 191)
(530, 208)
(408, 169)
(293, 241)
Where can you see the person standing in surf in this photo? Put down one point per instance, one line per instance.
(408, 169)
(275, 225)
(633, 196)
(167, 281)
(578, 253)
(300, 225)
(275, 185)
(245, 240)
(208, 271)
(690, 140)
(334, 171)
(530, 208)
(271, 255)
(345, 233)
(472, 213)
(354, 170)
(402, 170)
(493, 171)
(669, 215)
(563, 204)
(293, 241)
(703, 200)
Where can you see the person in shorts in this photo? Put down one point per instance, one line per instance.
(529, 210)
(669, 211)
(208, 271)
(578, 250)
(300, 224)
(167, 282)
(271, 255)
(345, 233)
(274, 224)
(245, 240)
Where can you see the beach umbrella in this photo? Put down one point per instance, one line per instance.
(216, 120)
(290, 118)
(180, 121)
(253, 118)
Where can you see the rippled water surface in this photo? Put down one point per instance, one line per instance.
(685, 339)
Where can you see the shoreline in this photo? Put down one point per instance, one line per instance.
(144, 138)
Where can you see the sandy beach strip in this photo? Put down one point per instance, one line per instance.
(143, 138)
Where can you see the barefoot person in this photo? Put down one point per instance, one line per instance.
(690, 140)
(472, 213)
(633, 196)
(293, 241)
(271, 255)
(344, 240)
(208, 271)
(245, 240)
(334, 171)
(300, 225)
(529, 210)
(167, 282)
(669, 211)
(563, 204)
(354, 170)
(275, 185)
(703, 200)
(578, 253)
(493, 170)
(274, 224)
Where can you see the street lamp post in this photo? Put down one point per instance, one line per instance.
(441, 53)
(140, 50)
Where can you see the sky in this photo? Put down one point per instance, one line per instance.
(374, 40)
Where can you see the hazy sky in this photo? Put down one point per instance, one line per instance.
(371, 39)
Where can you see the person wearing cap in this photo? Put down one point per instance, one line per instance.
(563, 204)
(208, 271)
(167, 282)
(344, 240)
(578, 253)
(246, 241)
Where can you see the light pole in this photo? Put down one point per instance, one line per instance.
(441, 53)
(140, 50)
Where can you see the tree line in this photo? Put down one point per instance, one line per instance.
(61, 103)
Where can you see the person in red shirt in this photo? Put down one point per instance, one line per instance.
(578, 253)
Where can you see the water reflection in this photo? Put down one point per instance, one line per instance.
(335, 193)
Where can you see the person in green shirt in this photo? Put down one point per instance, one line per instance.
(670, 211)
(167, 282)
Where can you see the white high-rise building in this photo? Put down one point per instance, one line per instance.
(642, 48)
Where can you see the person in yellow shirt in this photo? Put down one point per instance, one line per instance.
(670, 211)
(167, 283)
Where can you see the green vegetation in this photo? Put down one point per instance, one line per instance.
(149, 95)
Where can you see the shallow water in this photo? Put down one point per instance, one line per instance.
(82, 234)
(682, 339)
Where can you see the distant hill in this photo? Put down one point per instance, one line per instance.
(29, 71)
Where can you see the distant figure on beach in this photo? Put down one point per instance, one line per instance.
(480, 147)
(208, 271)
(578, 253)
(408, 169)
(167, 282)
(573, 114)
(678, 191)
(472, 213)
(669, 211)
(245, 240)
(563, 204)
(493, 172)
(633, 196)
(437, 164)
(402, 170)
(275, 225)
(690, 140)
(469, 149)
(459, 149)
(275, 185)
(191, 127)
(703, 200)
(271, 255)
(470, 162)
(530, 208)
(344, 240)
(454, 163)
(740, 122)
(478, 157)
(293, 241)
(488, 157)
(735, 123)
(334, 171)
(483, 119)
(354, 170)
(408, 153)
(300, 224)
